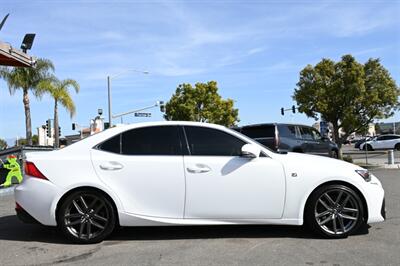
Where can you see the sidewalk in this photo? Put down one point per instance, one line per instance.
(377, 159)
(6, 191)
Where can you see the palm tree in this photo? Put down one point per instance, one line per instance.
(59, 91)
(27, 79)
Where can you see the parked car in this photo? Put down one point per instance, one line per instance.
(290, 137)
(382, 142)
(361, 141)
(187, 173)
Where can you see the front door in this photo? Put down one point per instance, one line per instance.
(220, 184)
(144, 168)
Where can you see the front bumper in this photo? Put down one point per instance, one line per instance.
(375, 197)
(383, 209)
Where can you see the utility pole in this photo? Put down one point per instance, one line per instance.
(109, 101)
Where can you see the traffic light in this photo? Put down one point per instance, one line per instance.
(162, 107)
(48, 128)
(73, 126)
(293, 109)
(282, 111)
(59, 131)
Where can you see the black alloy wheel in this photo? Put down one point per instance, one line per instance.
(334, 211)
(86, 217)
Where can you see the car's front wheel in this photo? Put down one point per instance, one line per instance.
(368, 147)
(334, 211)
(86, 217)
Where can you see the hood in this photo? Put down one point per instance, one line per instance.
(314, 162)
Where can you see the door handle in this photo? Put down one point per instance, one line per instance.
(111, 166)
(198, 169)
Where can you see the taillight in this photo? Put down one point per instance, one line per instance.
(31, 170)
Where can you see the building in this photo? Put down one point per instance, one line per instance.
(10, 56)
(388, 128)
(43, 138)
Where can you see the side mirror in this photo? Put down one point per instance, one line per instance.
(250, 151)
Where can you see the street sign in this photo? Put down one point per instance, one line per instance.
(143, 114)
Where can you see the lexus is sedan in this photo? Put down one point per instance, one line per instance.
(188, 173)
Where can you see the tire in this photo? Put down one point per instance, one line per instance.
(368, 147)
(86, 217)
(334, 154)
(397, 147)
(334, 211)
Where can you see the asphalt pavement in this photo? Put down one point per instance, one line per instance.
(378, 244)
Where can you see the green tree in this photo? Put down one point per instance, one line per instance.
(348, 94)
(22, 141)
(59, 91)
(201, 103)
(27, 79)
(3, 144)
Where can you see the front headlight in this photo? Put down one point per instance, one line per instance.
(364, 174)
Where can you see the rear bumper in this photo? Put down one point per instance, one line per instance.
(36, 198)
(24, 216)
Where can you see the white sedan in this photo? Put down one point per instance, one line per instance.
(389, 141)
(187, 173)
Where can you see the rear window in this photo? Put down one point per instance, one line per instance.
(112, 145)
(259, 131)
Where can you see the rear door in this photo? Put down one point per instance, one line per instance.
(144, 167)
(320, 147)
(308, 144)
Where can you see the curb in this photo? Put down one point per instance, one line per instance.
(6, 191)
(379, 166)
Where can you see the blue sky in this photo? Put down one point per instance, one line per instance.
(253, 49)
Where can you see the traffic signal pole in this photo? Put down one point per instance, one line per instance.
(293, 109)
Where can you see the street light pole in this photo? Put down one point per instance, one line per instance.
(109, 90)
(109, 101)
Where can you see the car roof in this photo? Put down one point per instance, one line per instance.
(273, 124)
(165, 123)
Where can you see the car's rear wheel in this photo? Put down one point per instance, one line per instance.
(86, 217)
(334, 154)
(397, 147)
(334, 211)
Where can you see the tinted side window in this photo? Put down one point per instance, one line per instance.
(288, 131)
(157, 140)
(111, 145)
(316, 134)
(306, 133)
(212, 142)
(259, 131)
